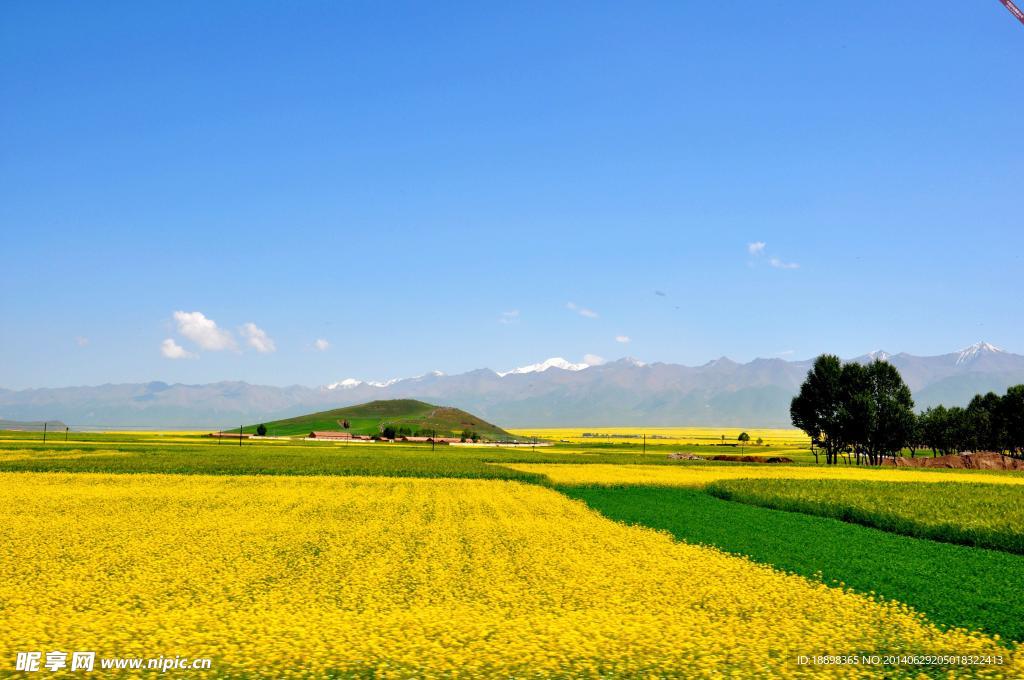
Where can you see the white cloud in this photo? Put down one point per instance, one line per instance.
(81, 341)
(757, 249)
(204, 332)
(779, 264)
(172, 350)
(321, 344)
(582, 311)
(257, 338)
(622, 338)
(511, 316)
(593, 359)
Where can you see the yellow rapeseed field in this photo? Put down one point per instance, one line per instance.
(786, 437)
(700, 475)
(7, 455)
(333, 577)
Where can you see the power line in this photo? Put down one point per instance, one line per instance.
(1014, 10)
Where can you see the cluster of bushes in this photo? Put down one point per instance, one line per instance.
(391, 432)
(867, 412)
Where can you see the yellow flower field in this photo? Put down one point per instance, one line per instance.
(318, 576)
(784, 437)
(8, 455)
(699, 475)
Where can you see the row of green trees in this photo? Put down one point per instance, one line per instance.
(867, 412)
(392, 432)
(989, 423)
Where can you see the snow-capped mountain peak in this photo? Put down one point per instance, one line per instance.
(554, 362)
(879, 355)
(346, 384)
(352, 383)
(972, 352)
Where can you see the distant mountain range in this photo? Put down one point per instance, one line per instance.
(54, 426)
(551, 393)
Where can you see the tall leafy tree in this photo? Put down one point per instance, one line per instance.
(958, 432)
(818, 408)
(931, 425)
(985, 416)
(856, 411)
(914, 441)
(1011, 409)
(743, 439)
(891, 408)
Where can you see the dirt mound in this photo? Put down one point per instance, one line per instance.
(752, 459)
(966, 461)
(684, 456)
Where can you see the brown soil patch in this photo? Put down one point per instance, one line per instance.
(752, 459)
(966, 461)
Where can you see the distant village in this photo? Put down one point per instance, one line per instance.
(387, 435)
(335, 435)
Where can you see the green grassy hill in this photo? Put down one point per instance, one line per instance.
(371, 417)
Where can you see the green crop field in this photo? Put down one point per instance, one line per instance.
(954, 585)
(984, 515)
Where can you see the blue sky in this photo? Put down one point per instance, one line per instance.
(452, 186)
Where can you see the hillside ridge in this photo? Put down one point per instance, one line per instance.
(411, 416)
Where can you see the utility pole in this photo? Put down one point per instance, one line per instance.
(239, 436)
(44, 431)
(433, 440)
(66, 433)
